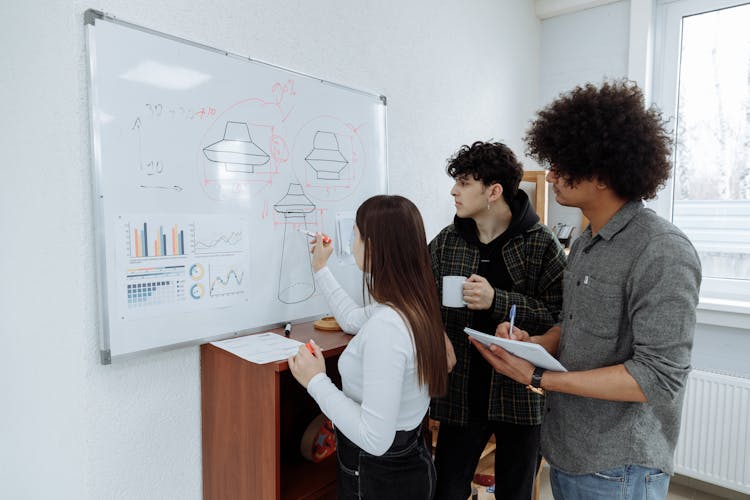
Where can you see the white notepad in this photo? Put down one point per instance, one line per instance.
(533, 353)
(261, 348)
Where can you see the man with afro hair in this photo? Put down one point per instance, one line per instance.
(629, 296)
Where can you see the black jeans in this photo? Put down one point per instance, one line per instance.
(405, 471)
(516, 459)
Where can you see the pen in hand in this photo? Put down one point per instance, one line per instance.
(512, 319)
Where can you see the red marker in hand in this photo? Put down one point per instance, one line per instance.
(310, 348)
(326, 239)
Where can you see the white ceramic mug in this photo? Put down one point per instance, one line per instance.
(453, 291)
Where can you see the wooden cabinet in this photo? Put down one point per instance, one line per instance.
(253, 417)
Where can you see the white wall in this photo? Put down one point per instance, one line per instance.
(585, 46)
(71, 428)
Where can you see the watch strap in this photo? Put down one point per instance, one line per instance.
(536, 377)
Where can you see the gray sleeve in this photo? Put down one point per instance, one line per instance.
(663, 291)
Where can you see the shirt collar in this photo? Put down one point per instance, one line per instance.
(620, 219)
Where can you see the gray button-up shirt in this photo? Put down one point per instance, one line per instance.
(629, 297)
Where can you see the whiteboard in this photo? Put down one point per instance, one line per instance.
(206, 167)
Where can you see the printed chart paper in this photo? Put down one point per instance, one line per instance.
(261, 348)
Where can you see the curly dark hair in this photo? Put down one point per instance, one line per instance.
(605, 134)
(490, 163)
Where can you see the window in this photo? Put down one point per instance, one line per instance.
(702, 83)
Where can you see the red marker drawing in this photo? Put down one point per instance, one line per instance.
(326, 239)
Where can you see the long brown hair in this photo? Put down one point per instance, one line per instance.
(397, 272)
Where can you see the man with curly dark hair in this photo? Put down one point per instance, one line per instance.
(496, 241)
(630, 293)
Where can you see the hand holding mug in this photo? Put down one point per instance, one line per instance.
(478, 293)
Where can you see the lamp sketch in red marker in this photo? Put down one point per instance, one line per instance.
(236, 150)
(248, 171)
(296, 282)
(326, 158)
(280, 90)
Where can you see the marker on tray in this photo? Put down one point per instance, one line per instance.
(287, 329)
(326, 239)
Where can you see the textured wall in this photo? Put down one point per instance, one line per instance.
(453, 72)
(598, 50)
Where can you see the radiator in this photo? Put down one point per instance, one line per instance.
(714, 443)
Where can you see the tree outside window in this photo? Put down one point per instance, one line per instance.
(712, 145)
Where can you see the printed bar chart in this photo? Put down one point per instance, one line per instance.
(147, 242)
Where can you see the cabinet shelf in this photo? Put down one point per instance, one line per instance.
(253, 417)
(308, 480)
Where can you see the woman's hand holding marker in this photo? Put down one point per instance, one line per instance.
(321, 249)
(307, 363)
(326, 239)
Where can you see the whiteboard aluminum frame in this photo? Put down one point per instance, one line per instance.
(91, 15)
(90, 18)
(101, 269)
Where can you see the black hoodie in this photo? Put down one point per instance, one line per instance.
(493, 269)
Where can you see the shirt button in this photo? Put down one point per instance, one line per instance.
(570, 316)
(578, 283)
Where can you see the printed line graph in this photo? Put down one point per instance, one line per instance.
(220, 236)
(224, 243)
(225, 280)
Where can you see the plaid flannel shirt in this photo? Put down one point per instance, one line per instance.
(535, 262)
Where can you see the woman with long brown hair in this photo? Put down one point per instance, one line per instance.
(395, 363)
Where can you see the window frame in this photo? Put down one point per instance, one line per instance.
(723, 302)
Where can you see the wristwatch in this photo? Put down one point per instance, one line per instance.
(536, 380)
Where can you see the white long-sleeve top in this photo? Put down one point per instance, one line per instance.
(381, 393)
